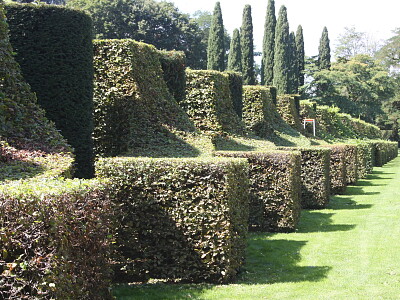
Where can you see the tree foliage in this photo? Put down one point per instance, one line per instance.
(390, 52)
(324, 51)
(235, 53)
(216, 45)
(293, 65)
(300, 53)
(281, 60)
(267, 63)
(157, 23)
(247, 45)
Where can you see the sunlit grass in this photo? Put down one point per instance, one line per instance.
(348, 251)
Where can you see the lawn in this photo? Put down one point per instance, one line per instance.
(351, 250)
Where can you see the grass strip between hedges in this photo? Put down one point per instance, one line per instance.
(347, 251)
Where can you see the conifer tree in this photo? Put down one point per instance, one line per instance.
(281, 57)
(267, 63)
(246, 42)
(216, 47)
(293, 66)
(235, 53)
(324, 51)
(300, 53)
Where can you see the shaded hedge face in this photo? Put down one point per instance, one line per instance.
(54, 48)
(274, 189)
(179, 219)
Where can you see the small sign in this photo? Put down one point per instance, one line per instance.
(309, 121)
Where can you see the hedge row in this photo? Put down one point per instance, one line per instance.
(55, 240)
(208, 102)
(54, 48)
(134, 110)
(236, 89)
(274, 189)
(385, 151)
(179, 219)
(315, 176)
(289, 109)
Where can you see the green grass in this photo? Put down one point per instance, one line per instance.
(351, 250)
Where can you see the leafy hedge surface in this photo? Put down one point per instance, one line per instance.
(54, 241)
(236, 88)
(173, 64)
(366, 153)
(54, 48)
(338, 168)
(179, 218)
(288, 108)
(274, 189)
(134, 111)
(315, 176)
(385, 151)
(208, 102)
(351, 157)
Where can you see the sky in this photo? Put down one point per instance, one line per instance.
(376, 18)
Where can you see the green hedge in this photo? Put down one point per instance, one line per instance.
(351, 158)
(338, 168)
(366, 153)
(134, 111)
(54, 48)
(55, 240)
(288, 107)
(385, 151)
(179, 219)
(274, 189)
(173, 64)
(208, 102)
(315, 176)
(236, 88)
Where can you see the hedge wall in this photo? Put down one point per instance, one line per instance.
(173, 64)
(338, 168)
(274, 189)
(208, 102)
(366, 153)
(288, 107)
(385, 151)
(54, 48)
(179, 219)
(236, 88)
(134, 111)
(351, 158)
(55, 240)
(315, 176)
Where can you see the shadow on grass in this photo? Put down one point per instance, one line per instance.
(341, 202)
(229, 144)
(275, 261)
(315, 221)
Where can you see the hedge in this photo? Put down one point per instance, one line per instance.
(351, 158)
(54, 48)
(179, 219)
(315, 176)
(173, 64)
(236, 89)
(385, 151)
(288, 107)
(134, 110)
(208, 102)
(366, 153)
(56, 241)
(274, 189)
(338, 168)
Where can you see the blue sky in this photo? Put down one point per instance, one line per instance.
(377, 18)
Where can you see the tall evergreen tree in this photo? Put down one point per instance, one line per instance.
(216, 47)
(281, 57)
(293, 66)
(324, 51)
(235, 53)
(246, 42)
(267, 63)
(300, 53)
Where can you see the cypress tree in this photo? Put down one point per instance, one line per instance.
(267, 63)
(216, 47)
(300, 54)
(281, 57)
(246, 42)
(235, 53)
(293, 66)
(324, 51)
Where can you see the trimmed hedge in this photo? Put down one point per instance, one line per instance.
(351, 158)
(236, 88)
(134, 111)
(385, 151)
(179, 219)
(173, 64)
(54, 48)
(315, 176)
(55, 240)
(288, 107)
(208, 102)
(274, 189)
(366, 153)
(338, 168)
